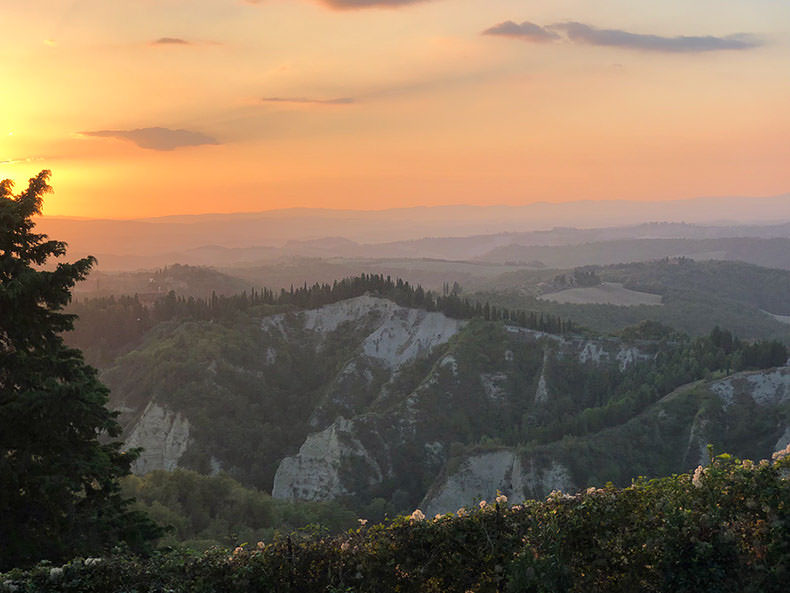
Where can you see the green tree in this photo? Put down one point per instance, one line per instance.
(59, 460)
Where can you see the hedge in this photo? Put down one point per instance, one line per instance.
(724, 527)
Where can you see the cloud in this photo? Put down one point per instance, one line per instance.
(355, 4)
(526, 31)
(587, 34)
(306, 100)
(171, 41)
(581, 33)
(157, 138)
(27, 159)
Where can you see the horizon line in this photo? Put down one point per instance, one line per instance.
(153, 219)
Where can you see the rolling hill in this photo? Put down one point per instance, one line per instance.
(695, 296)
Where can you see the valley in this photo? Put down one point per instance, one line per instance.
(383, 407)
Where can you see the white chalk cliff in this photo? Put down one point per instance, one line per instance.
(164, 436)
(315, 472)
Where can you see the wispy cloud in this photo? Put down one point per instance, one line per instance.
(356, 4)
(157, 138)
(526, 31)
(309, 101)
(28, 159)
(171, 41)
(582, 33)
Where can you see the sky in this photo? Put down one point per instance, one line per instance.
(156, 107)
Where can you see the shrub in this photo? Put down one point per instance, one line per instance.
(725, 527)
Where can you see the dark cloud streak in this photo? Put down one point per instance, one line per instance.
(171, 41)
(526, 31)
(357, 4)
(582, 33)
(156, 138)
(307, 100)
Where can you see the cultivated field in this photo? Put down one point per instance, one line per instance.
(608, 293)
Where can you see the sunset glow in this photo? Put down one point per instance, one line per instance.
(147, 108)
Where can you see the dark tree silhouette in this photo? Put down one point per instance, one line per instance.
(59, 462)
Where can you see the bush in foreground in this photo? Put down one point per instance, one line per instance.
(725, 527)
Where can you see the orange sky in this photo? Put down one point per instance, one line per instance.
(153, 107)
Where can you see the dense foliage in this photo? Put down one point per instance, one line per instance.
(60, 492)
(604, 397)
(723, 528)
(204, 511)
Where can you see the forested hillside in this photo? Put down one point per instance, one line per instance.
(377, 393)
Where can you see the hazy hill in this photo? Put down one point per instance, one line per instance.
(187, 281)
(695, 296)
(285, 272)
(768, 252)
(471, 231)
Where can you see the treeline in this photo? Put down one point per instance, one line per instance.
(108, 325)
(202, 511)
(399, 291)
(721, 528)
(733, 353)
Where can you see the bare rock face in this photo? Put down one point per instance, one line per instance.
(768, 389)
(540, 479)
(697, 448)
(602, 351)
(542, 391)
(477, 478)
(398, 334)
(482, 476)
(764, 387)
(315, 473)
(783, 440)
(164, 436)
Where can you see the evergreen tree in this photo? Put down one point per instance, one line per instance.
(59, 462)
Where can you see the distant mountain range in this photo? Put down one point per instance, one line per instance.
(446, 232)
(771, 253)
